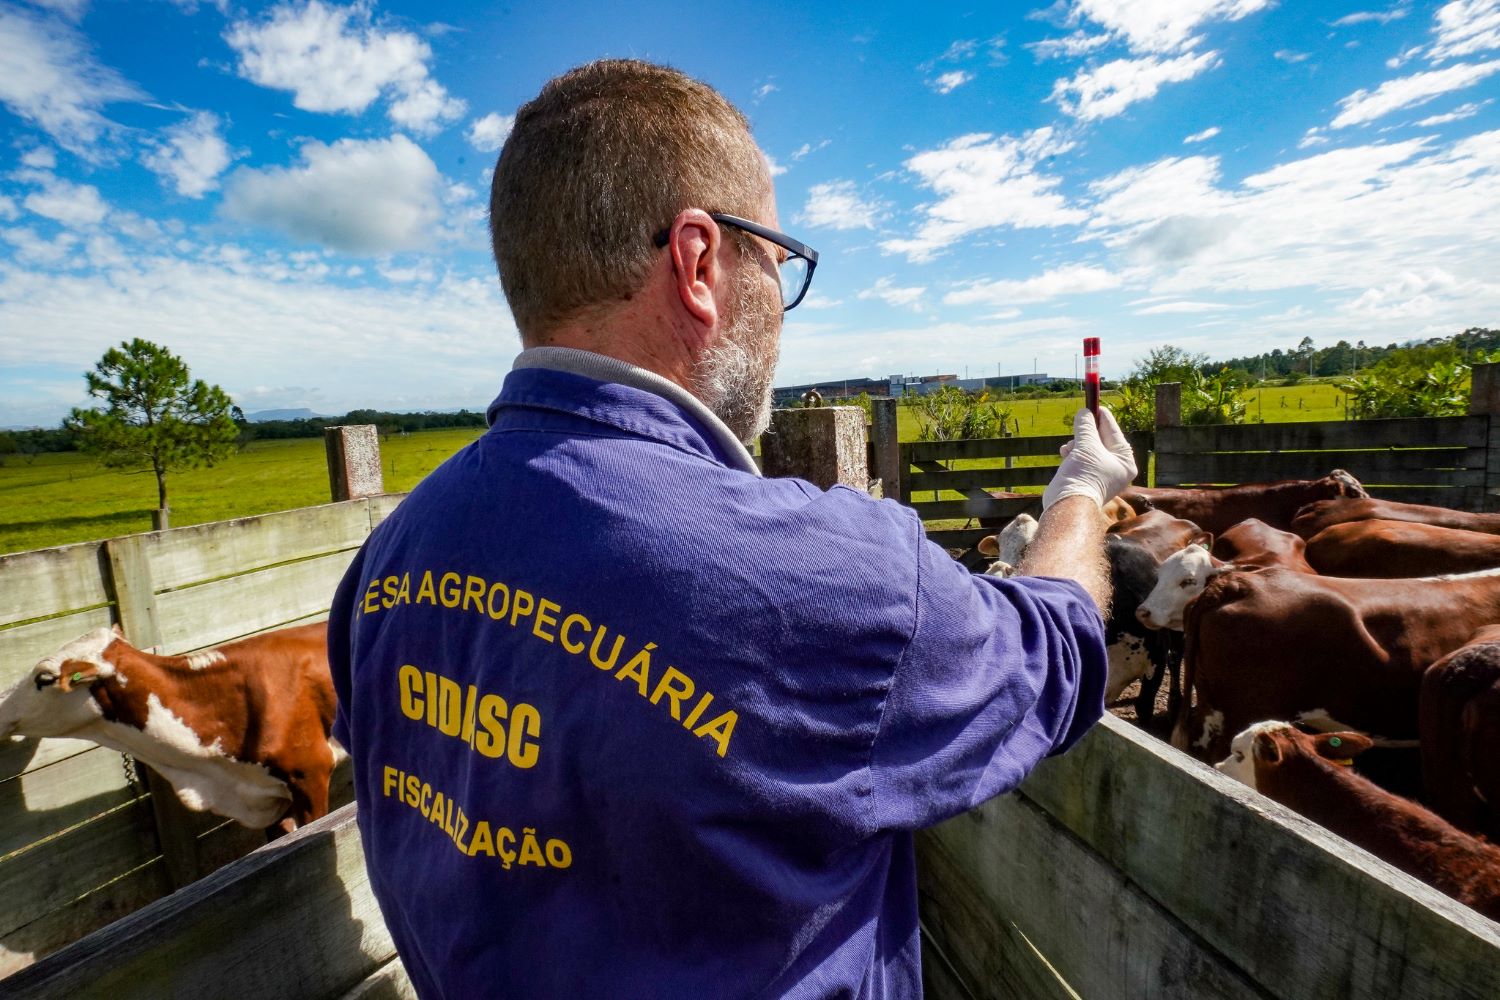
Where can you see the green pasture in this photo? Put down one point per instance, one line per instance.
(55, 499)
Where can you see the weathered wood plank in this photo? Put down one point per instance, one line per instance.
(21, 647)
(941, 451)
(55, 872)
(1416, 467)
(20, 756)
(134, 589)
(389, 982)
(89, 912)
(977, 507)
(238, 926)
(1330, 920)
(382, 506)
(1037, 877)
(227, 609)
(1332, 435)
(44, 802)
(185, 556)
(44, 582)
(1000, 478)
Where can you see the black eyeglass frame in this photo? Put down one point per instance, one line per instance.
(794, 248)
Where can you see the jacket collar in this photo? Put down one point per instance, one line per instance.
(631, 399)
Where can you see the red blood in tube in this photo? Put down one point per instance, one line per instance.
(1091, 375)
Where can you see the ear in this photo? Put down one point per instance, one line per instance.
(989, 545)
(1203, 538)
(1266, 748)
(693, 244)
(76, 673)
(1341, 747)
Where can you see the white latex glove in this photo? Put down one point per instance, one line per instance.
(1097, 463)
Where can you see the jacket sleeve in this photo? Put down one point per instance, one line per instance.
(998, 674)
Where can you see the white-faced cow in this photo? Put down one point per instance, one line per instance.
(241, 730)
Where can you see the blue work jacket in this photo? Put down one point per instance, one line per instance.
(629, 721)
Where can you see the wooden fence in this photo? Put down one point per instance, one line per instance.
(83, 841)
(1126, 869)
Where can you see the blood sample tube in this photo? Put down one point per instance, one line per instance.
(1091, 375)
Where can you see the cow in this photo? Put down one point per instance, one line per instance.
(1400, 549)
(1218, 510)
(1278, 644)
(1251, 544)
(1009, 547)
(1319, 515)
(1135, 548)
(1310, 775)
(241, 730)
(1460, 727)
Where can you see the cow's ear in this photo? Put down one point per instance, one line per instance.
(1266, 748)
(76, 673)
(989, 545)
(1341, 747)
(1203, 538)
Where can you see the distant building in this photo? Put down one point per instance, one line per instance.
(907, 385)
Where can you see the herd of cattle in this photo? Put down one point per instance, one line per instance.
(1334, 650)
(1304, 630)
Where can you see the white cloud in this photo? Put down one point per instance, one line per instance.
(1160, 26)
(1401, 59)
(35, 250)
(984, 182)
(947, 83)
(1409, 296)
(776, 169)
(1070, 279)
(192, 155)
(838, 205)
(807, 148)
(40, 158)
(1289, 56)
(363, 196)
(1409, 91)
(8, 209)
(1176, 308)
(73, 205)
(816, 301)
(334, 59)
(73, 10)
(489, 133)
(765, 90)
(1079, 43)
(261, 332)
(888, 292)
(1465, 28)
(1379, 16)
(50, 78)
(1203, 136)
(1457, 114)
(1107, 90)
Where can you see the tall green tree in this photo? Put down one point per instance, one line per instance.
(155, 415)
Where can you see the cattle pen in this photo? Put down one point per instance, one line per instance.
(1121, 869)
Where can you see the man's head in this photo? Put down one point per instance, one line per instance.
(604, 159)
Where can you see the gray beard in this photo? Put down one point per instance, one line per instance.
(733, 377)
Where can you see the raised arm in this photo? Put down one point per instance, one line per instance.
(1097, 464)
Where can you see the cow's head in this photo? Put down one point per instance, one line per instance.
(54, 699)
(1347, 485)
(1181, 577)
(1268, 745)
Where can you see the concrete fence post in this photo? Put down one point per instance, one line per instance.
(886, 447)
(1484, 401)
(1169, 405)
(825, 446)
(353, 461)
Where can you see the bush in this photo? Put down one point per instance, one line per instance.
(951, 414)
(1410, 385)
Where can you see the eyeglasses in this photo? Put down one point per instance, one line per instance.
(795, 273)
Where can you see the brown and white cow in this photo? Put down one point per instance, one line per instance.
(241, 730)
(1321, 514)
(1218, 510)
(1309, 775)
(1277, 644)
(1394, 549)
(1251, 544)
(1460, 726)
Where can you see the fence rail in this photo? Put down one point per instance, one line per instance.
(83, 842)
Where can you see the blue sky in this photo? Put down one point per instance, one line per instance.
(292, 195)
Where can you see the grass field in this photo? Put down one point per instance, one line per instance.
(68, 497)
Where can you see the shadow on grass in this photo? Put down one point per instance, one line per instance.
(134, 520)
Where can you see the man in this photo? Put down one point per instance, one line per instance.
(626, 719)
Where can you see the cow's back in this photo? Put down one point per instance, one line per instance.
(1393, 549)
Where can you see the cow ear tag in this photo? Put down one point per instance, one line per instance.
(1335, 742)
